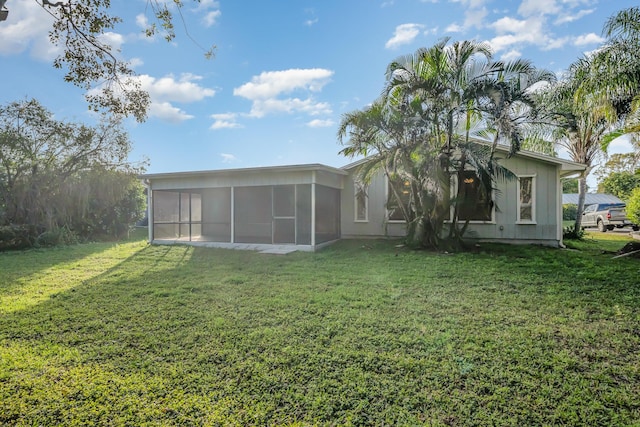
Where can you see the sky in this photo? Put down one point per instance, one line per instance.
(284, 71)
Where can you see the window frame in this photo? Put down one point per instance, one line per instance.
(388, 195)
(454, 190)
(360, 188)
(519, 203)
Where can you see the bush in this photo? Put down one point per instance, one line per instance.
(570, 233)
(57, 237)
(633, 206)
(17, 236)
(569, 212)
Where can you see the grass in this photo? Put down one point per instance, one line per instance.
(361, 333)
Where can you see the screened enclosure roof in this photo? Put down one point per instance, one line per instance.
(241, 171)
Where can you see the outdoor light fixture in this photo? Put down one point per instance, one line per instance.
(3, 12)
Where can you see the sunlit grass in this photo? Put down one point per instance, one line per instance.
(49, 278)
(361, 333)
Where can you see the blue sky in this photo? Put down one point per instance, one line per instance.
(284, 71)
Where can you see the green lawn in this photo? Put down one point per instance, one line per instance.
(361, 333)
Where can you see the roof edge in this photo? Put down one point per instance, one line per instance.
(260, 169)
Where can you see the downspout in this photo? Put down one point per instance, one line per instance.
(559, 228)
(313, 210)
(147, 183)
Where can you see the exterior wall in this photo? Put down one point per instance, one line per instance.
(376, 224)
(506, 228)
(546, 230)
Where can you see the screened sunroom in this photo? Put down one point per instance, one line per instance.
(248, 208)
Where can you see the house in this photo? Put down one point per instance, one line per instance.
(305, 207)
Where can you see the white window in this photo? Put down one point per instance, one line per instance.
(526, 199)
(361, 202)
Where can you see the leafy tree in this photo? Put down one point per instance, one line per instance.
(620, 184)
(582, 125)
(46, 165)
(633, 206)
(90, 62)
(619, 162)
(598, 99)
(570, 186)
(617, 66)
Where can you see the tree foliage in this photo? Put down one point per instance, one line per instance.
(55, 174)
(633, 206)
(420, 132)
(620, 184)
(570, 186)
(90, 61)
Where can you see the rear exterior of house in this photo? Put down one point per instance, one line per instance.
(305, 207)
(526, 210)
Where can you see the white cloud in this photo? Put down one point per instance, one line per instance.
(26, 29)
(208, 4)
(538, 7)
(453, 28)
(586, 39)
(514, 33)
(135, 62)
(474, 18)
(511, 55)
(273, 83)
(310, 22)
(228, 158)
(262, 107)
(167, 112)
(556, 43)
(112, 39)
(266, 91)
(167, 88)
(142, 21)
(163, 92)
(225, 121)
(404, 34)
(570, 17)
(211, 18)
(317, 123)
(509, 25)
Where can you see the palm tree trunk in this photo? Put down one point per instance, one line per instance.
(582, 194)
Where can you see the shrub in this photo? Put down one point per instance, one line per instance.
(570, 233)
(57, 237)
(569, 212)
(17, 236)
(633, 206)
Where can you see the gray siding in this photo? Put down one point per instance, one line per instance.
(376, 225)
(546, 229)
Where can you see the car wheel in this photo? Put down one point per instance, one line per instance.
(601, 227)
(610, 227)
(635, 228)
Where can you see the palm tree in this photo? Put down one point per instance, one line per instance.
(613, 75)
(421, 127)
(599, 98)
(584, 123)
